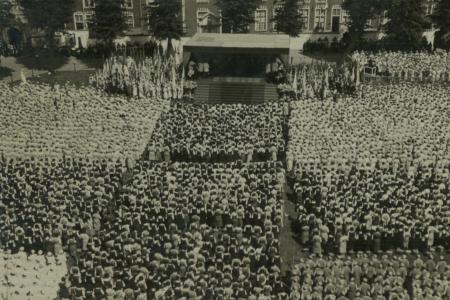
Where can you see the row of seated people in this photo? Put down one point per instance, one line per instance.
(371, 276)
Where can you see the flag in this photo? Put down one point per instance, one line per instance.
(182, 79)
(294, 83)
(174, 77)
(304, 80)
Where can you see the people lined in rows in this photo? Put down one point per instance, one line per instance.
(372, 172)
(403, 123)
(372, 210)
(420, 66)
(219, 133)
(371, 276)
(41, 121)
(176, 230)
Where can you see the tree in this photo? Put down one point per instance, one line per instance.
(108, 21)
(359, 13)
(49, 16)
(237, 15)
(165, 21)
(406, 25)
(6, 16)
(287, 17)
(441, 19)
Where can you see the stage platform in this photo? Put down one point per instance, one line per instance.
(228, 90)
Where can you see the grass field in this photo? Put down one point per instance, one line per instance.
(78, 78)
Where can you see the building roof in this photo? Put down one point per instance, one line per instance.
(226, 40)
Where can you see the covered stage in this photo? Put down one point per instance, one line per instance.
(247, 55)
(213, 57)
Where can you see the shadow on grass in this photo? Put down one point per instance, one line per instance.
(95, 63)
(5, 72)
(43, 61)
(79, 78)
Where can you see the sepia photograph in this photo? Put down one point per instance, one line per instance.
(224, 149)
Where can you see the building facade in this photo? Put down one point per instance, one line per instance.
(134, 11)
(320, 17)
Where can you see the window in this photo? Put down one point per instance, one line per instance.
(129, 19)
(304, 15)
(336, 11)
(88, 3)
(202, 12)
(79, 21)
(261, 19)
(128, 3)
(319, 18)
(202, 18)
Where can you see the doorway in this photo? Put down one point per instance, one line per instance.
(335, 24)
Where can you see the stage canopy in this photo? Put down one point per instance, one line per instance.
(253, 44)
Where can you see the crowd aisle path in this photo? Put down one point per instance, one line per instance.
(289, 248)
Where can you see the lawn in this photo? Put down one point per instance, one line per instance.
(78, 78)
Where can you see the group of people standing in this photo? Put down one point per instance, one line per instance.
(219, 133)
(367, 276)
(42, 121)
(155, 199)
(410, 66)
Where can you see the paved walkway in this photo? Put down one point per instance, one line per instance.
(72, 64)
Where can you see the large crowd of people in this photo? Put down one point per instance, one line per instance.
(219, 133)
(45, 200)
(157, 199)
(372, 173)
(40, 121)
(421, 66)
(371, 276)
(402, 122)
(155, 77)
(169, 231)
(372, 210)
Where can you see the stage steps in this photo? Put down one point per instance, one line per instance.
(234, 90)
